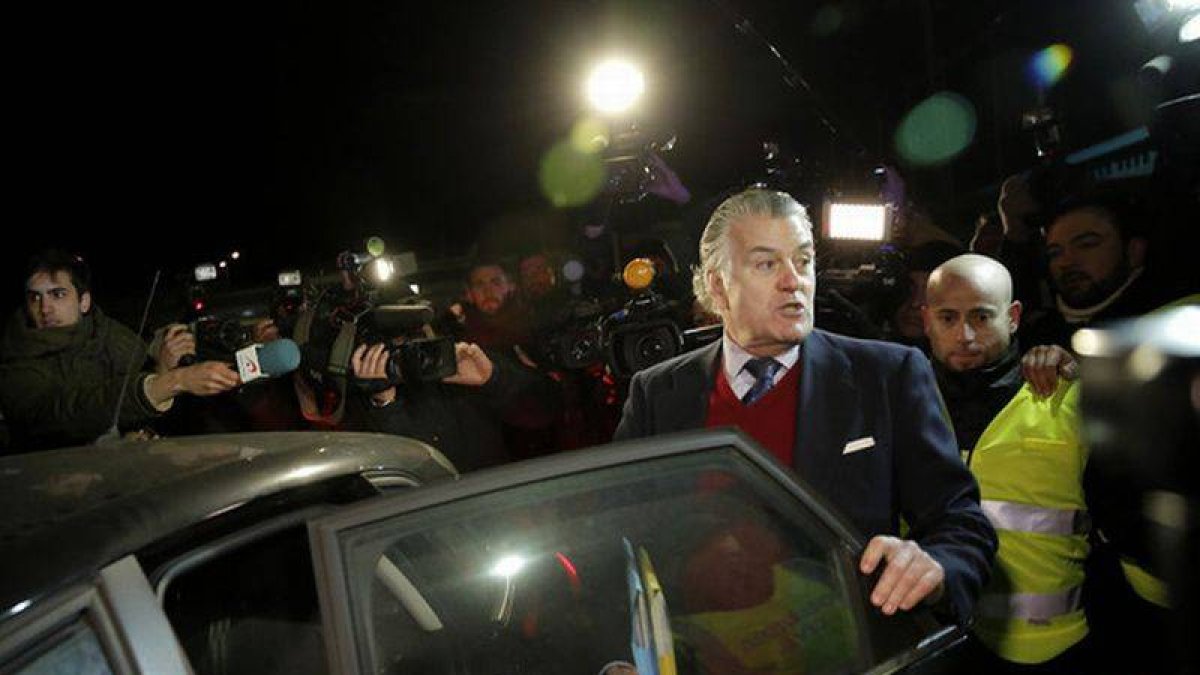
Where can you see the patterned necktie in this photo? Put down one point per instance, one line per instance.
(763, 369)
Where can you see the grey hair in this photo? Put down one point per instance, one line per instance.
(714, 248)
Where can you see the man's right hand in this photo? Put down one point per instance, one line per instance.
(1043, 365)
(370, 363)
(207, 378)
(1016, 205)
(177, 342)
(203, 379)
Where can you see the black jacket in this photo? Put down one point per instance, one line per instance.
(465, 423)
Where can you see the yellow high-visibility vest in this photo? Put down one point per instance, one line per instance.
(1029, 463)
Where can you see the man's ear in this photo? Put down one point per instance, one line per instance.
(1014, 316)
(85, 302)
(716, 289)
(926, 319)
(1135, 251)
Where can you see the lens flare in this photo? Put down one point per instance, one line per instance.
(615, 86)
(569, 177)
(1049, 65)
(573, 271)
(589, 135)
(375, 246)
(937, 130)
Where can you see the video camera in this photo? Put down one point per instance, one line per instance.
(630, 163)
(626, 335)
(372, 304)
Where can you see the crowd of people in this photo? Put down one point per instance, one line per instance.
(953, 443)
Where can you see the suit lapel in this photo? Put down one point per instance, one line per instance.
(827, 405)
(693, 382)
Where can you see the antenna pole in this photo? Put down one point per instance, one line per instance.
(113, 432)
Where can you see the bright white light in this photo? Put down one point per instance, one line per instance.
(857, 221)
(235, 255)
(615, 86)
(416, 290)
(222, 264)
(290, 278)
(1181, 331)
(508, 566)
(206, 272)
(1088, 342)
(1183, 5)
(383, 269)
(1190, 30)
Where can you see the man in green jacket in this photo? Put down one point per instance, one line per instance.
(63, 363)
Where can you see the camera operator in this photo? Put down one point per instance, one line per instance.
(491, 315)
(65, 363)
(461, 415)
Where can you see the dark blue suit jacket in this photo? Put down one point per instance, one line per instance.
(850, 390)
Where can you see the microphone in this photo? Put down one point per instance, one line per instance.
(278, 357)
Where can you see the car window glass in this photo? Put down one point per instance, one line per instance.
(701, 561)
(252, 610)
(76, 650)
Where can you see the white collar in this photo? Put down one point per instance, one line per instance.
(734, 358)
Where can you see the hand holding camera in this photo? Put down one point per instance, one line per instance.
(173, 344)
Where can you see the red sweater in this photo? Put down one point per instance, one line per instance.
(771, 420)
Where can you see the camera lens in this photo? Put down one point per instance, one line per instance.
(651, 348)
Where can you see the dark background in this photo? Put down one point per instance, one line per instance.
(159, 136)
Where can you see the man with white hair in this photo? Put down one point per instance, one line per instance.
(1025, 450)
(859, 421)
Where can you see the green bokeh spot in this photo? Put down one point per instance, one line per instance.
(589, 135)
(569, 177)
(937, 130)
(375, 246)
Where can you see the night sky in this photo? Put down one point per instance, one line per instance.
(158, 136)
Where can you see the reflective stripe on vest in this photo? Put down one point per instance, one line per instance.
(1026, 518)
(1032, 607)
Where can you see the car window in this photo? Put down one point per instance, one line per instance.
(75, 649)
(694, 563)
(252, 610)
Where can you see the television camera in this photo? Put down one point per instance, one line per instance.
(627, 335)
(370, 304)
(223, 318)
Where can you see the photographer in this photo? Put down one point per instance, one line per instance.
(65, 363)
(460, 415)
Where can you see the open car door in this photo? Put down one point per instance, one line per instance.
(690, 553)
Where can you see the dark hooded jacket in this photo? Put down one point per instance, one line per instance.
(59, 386)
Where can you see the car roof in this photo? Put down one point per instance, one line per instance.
(69, 512)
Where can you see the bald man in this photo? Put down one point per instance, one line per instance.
(1024, 449)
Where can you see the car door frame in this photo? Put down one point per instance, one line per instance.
(330, 572)
(123, 613)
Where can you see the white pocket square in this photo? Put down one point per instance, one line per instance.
(860, 444)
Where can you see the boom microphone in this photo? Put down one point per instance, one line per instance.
(275, 358)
